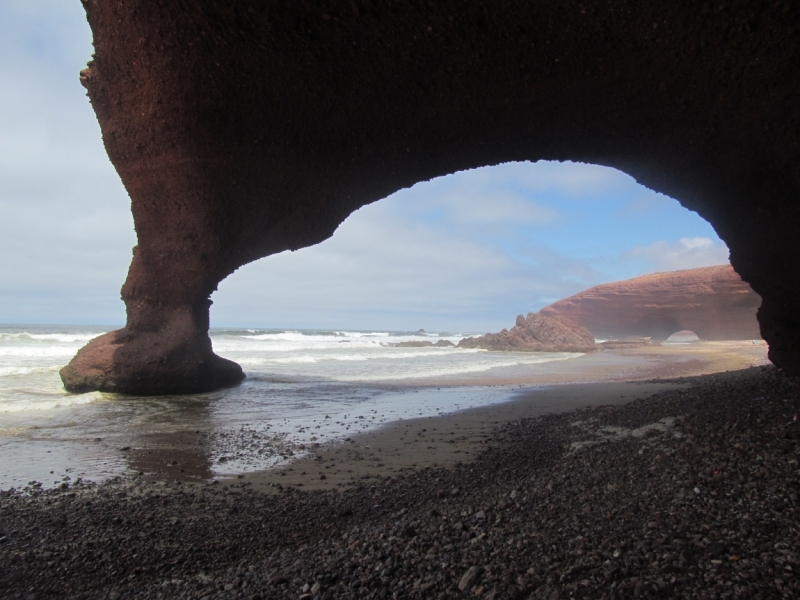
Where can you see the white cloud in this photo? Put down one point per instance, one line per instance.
(648, 202)
(385, 268)
(565, 178)
(66, 231)
(686, 253)
(492, 205)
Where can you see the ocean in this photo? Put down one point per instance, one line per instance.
(303, 388)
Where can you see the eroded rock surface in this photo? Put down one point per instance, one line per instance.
(241, 129)
(168, 361)
(536, 333)
(713, 302)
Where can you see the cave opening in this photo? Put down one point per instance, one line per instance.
(243, 129)
(470, 250)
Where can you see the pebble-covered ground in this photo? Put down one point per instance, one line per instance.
(690, 493)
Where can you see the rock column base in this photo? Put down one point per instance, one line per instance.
(149, 364)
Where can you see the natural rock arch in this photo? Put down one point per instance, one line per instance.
(712, 302)
(656, 326)
(244, 128)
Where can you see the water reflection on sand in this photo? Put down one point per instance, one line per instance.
(251, 427)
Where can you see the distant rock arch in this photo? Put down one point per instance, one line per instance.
(712, 301)
(656, 326)
(243, 128)
(683, 336)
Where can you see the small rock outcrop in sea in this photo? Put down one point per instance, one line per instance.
(423, 344)
(713, 302)
(536, 333)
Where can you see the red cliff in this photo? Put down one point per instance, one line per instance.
(713, 302)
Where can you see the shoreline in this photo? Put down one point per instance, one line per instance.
(186, 439)
(440, 441)
(691, 492)
(610, 377)
(635, 364)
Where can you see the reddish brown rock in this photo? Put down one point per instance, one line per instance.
(536, 333)
(172, 360)
(241, 129)
(412, 344)
(713, 302)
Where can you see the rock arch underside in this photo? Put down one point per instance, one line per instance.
(242, 128)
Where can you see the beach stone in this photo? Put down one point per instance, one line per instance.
(716, 549)
(277, 577)
(469, 577)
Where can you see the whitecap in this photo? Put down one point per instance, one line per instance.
(37, 351)
(62, 338)
(42, 402)
(11, 371)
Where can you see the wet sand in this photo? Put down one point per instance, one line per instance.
(438, 441)
(634, 364)
(607, 378)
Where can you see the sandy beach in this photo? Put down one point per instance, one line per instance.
(607, 378)
(415, 444)
(635, 364)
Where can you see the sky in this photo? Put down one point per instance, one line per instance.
(466, 252)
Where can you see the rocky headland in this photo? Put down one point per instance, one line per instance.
(536, 333)
(713, 302)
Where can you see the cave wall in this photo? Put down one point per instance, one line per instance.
(242, 128)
